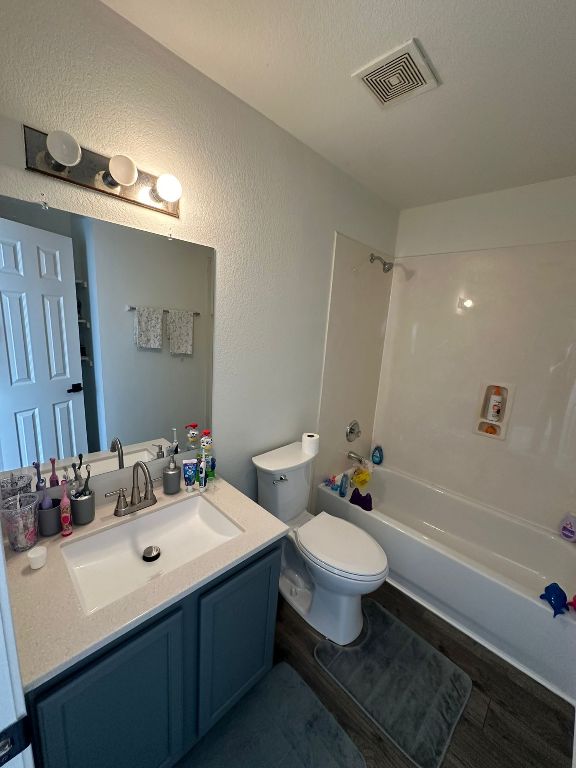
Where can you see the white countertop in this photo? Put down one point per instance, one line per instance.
(52, 630)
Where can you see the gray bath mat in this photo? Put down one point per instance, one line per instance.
(279, 724)
(413, 693)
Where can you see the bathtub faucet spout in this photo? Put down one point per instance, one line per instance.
(356, 457)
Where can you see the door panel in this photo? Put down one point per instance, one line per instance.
(123, 711)
(56, 346)
(11, 257)
(17, 330)
(29, 439)
(64, 424)
(237, 620)
(39, 348)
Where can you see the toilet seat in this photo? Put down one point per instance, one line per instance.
(342, 548)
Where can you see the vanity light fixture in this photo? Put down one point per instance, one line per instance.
(465, 303)
(167, 188)
(58, 155)
(62, 151)
(122, 171)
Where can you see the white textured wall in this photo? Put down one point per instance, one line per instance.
(498, 250)
(266, 203)
(355, 336)
(536, 213)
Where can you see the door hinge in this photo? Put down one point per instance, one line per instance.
(14, 740)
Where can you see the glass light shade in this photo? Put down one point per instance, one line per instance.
(168, 188)
(123, 170)
(63, 148)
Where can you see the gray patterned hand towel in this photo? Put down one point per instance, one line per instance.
(181, 331)
(148, 327)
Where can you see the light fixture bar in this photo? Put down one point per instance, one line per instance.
(89, 173)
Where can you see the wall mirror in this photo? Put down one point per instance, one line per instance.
(72, 376)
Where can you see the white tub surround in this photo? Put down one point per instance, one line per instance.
(477, 567)
(52, 629)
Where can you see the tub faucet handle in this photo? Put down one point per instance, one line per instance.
(281, 479)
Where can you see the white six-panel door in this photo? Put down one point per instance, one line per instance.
(39, 348)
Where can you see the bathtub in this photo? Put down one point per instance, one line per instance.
(477, 567)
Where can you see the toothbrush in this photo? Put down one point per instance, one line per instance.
(54, 482)
(77, 476)
(40, 482)
(86, 490)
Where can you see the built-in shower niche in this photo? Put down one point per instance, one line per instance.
(485, 426)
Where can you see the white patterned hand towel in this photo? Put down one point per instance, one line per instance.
(181, 331)
(148, 327)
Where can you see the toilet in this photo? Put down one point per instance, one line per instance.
(327, 563)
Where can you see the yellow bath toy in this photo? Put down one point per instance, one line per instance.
(361, 477)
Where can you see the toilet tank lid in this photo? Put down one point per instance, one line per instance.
(282, 459)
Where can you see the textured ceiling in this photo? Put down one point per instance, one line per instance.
(504, 116)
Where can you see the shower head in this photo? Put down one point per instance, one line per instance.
(386, 265)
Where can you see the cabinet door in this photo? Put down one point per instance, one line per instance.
(237, 620)
(123, 711)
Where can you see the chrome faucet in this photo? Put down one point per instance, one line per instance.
(356, 457)
(136, 500)
(116, 447)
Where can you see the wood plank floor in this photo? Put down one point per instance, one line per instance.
(510, 720)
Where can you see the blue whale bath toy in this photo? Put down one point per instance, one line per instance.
(555, 595)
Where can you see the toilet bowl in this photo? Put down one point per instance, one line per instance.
(327, 563)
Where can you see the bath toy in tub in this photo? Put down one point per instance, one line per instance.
(364, 502)
(572, 603)
(361, 477)
(555, 595)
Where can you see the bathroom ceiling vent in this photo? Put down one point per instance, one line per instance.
(399, 75)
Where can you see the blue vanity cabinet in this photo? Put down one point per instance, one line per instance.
(123, 711)
(144, 700)
(236, 641)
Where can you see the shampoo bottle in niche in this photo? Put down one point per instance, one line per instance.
(65, 514)
(495, 405)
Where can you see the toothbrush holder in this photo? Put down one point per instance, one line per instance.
(83, 509)
(49, 522)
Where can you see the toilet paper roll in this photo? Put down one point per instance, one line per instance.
(310, 443)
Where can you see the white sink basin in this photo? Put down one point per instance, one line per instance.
(109, 565)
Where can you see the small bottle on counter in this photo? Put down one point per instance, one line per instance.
(171, 477)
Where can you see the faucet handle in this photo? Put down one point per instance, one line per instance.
(121, 503)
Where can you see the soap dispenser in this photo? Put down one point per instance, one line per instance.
(171, 477)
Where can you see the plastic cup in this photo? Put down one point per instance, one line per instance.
(20, 517)
(12, 485)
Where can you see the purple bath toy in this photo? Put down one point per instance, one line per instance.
(364, 502)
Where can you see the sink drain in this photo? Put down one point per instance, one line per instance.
(151, 553)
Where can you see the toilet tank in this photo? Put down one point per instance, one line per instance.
(287, 498)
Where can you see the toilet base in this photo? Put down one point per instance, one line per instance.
(337, 617)
(332, 605)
